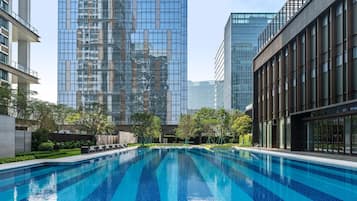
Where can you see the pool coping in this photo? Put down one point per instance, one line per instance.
(340, 163)
(71, 160)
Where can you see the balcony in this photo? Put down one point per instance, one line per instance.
(22, 29)
(24, 75)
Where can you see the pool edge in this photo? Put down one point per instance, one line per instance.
(71, 160)
(351, 165)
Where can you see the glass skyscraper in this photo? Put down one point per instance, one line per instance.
(200, 94)
(219, 77)
(240, 47)
(128, 55)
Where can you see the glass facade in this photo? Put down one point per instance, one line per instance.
(316, 67)
(334, 134)
(4, 38)
(129, 55)
(219, 77)
(240, 47)
(200, 95)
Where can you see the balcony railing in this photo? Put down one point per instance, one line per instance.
(286, 13)
(16, 65)
(21, 20)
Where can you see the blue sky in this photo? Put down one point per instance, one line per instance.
(206, 21)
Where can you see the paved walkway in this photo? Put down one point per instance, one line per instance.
(66, 160)
(344, 161)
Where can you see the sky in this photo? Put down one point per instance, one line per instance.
(206, 21)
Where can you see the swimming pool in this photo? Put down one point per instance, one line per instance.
(181, 174)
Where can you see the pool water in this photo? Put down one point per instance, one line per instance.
(181, 174)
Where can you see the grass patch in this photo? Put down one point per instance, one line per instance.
(42, 155)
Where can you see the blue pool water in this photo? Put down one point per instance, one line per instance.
(181, 174)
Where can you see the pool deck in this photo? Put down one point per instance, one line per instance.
(62, 161)
(335, 160)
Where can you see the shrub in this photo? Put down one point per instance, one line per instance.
(73, 144)
(15, 159)
(246, 139)
(46, 146)
(56, 146)
(38, 137)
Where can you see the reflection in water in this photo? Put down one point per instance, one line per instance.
(45, 189)
(181, 174)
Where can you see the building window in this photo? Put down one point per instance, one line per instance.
(4, 23)
(325, 59)
(4, 5)
(354, 134)
(294, 76)
(354, 44)
(340, 36)
(313, 66)
(287, 81)
(302, 71)
(3, 58)
(3, 75)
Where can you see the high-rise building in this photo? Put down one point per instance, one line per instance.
(16, 33)
(305, 88)
(219, 77)
(240, 47)
(200, 95)
(128, 55)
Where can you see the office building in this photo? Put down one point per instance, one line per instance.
(200, 95)
(240, 47)
(305, 88)
(128, 55)
(219, 77)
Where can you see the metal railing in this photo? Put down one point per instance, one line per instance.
(21, 68)
(286, 13)
(21, 20)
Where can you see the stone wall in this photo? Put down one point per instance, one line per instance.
(22, 141)
(107, 139)
(7, 136)
(127, 138)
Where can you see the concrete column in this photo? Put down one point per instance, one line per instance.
(24, 46)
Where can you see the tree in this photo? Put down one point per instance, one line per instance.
(186, 128)
(141, 123)
(42, 114)
(23, 103)
(209, 129)
(241, 126)
(93, 120)
(146, 127)
(204, 120)
(154, 131)
(223, 120)
(5, 98)
(60, 114)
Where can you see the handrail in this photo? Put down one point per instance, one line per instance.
(21, 20)
(22, 68)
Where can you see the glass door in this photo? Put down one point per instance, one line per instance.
(354, 134)
(341, 136)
